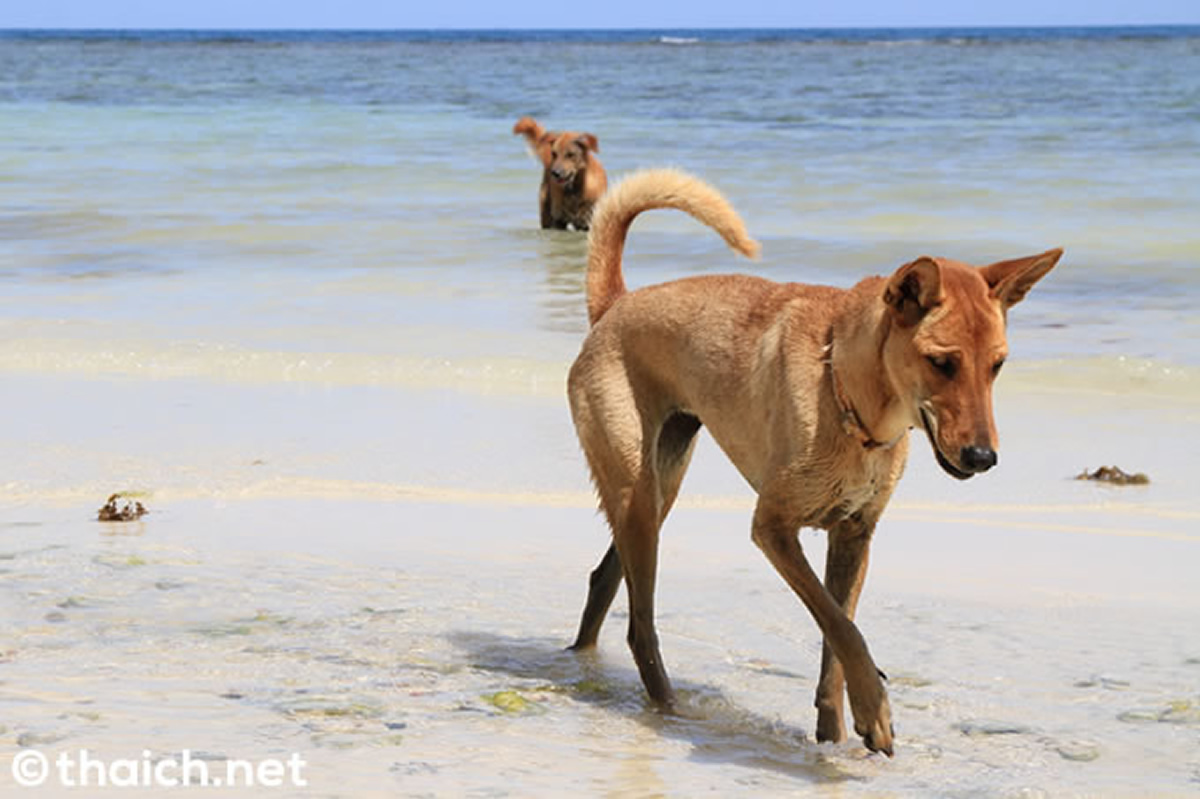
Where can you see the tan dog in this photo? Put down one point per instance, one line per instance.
(572, 177)
(810, 391)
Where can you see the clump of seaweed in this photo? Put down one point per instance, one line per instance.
(121, 509)
(1114, 475)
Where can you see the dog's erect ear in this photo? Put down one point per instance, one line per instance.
(914, 289)
(589, 141)
(1011, 280)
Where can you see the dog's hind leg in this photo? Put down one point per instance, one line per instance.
(845, 571)
(636, 539)
(650, 502)
(676, 441)
(626, 445)
(602, 588)
(613, 459)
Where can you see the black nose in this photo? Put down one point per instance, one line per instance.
(978, 459)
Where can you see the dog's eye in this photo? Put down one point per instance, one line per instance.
(997, 367)
(944, 365)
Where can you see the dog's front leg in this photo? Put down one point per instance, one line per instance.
(845, 571)
(777, 537)
(545, 212)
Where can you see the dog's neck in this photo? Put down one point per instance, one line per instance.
(840, 357)
(852, 423)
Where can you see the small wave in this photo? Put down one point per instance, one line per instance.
(1109, 375)
(147, 359)
(677, 40)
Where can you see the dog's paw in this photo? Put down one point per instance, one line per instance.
(879, 740)
(873, 717)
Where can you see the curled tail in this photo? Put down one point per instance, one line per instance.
(643, 191)
(531, 130)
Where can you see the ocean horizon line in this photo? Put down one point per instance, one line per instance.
(620, 34)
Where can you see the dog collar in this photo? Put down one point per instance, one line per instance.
(852, 423)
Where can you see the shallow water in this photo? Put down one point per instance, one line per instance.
(416, 648)
(289, 289)
(327, 571)
(335, 196)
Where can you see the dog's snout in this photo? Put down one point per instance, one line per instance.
(978, 459)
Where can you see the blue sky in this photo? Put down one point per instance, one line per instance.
(585, 13)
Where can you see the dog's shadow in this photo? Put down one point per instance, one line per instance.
(718, 729)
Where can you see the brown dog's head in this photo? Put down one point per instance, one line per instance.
(565, 155)
(947, 344)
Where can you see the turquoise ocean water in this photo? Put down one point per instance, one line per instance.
(357, 199)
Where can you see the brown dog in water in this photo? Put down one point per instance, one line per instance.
(572, 177)
(810, 391)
